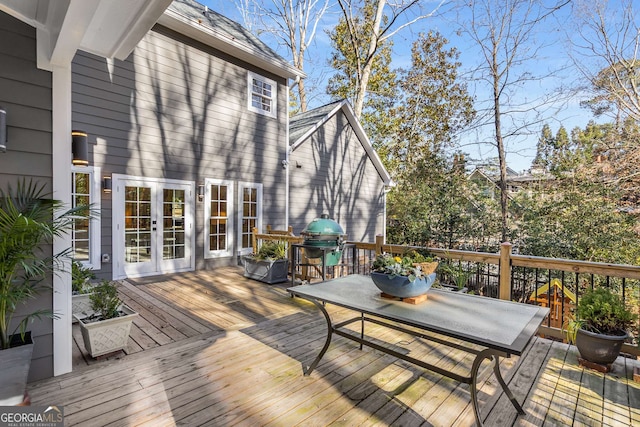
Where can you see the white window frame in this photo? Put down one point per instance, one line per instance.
(95, 195)
(208, 253)
(241, 188)
(274, 95)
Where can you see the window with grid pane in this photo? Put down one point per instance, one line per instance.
(85, 232)
(262, 95)
(218, 204)
(249, 213)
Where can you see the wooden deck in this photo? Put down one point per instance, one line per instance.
(211, 348)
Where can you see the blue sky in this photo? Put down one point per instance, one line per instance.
(553, 45)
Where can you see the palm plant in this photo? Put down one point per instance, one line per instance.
(28, 221)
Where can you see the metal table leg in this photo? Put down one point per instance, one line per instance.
(307, 371)
(494, 357)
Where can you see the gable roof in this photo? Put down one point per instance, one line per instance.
(304, 125)
(197, 21)
(558, 286)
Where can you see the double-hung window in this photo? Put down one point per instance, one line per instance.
(218, 219)
(85, 234)
(262, 95)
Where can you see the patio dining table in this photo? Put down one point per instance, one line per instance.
(497, 328)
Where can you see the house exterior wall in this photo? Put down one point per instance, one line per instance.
(177, 109)
(25, 93)
(331, 173)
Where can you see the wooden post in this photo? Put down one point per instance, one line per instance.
(504, 287)
(379, 243)
(254, 241)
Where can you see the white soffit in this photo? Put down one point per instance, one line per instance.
(107, 28)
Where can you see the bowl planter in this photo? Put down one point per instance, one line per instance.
(599, 348)
(14, 380)
(599, 329)
(400, 286)
(264, 270)
(106, 336)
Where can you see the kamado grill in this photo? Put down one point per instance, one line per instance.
(323, 233)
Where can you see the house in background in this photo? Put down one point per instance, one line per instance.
(488, 181)
(187, 120)
(335, 170)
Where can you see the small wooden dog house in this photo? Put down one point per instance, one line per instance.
(558, 298)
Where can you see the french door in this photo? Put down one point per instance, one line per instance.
(152, 226)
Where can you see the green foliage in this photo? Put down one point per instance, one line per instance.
(578, 214)
(272, 250)
(29, 220)
(349, 57)
(104, 300)
(602, 311)
(435, 104)
(456, 273)
(401, 265)
(79, 277)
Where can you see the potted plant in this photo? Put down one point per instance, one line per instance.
(29, 220)
(404, 276)
(455, 278)
(270, 264)
(81, 289)
(107, 329)
(600, 326)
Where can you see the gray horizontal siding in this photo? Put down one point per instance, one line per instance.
(336, 177)
(178, 109)
(25, 93)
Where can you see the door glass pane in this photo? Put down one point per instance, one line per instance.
(249, 215)
(137, 220)
(173, 211)
(218, 219)
(80, 195)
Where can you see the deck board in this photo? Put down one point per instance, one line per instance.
(211, 348)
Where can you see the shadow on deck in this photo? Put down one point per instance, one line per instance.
(213, 348)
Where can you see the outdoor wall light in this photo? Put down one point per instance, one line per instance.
(79, 148)
(106, 184)
(200, 192)
(3, 130)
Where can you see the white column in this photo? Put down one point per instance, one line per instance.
(61, 156)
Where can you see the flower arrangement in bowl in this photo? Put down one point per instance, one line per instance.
(403, 276)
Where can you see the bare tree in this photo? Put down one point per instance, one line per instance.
(389, 18)
(504, 32)
(606, 53)
(293, 23)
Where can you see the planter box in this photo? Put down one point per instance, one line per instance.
(14, 371)
(81, 306)
(266, 271)
(107, 336)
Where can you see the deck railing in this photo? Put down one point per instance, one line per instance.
(556, 283)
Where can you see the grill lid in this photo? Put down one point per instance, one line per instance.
(323, 228)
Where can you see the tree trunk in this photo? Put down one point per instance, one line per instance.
(368, 63)
(500, 145)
